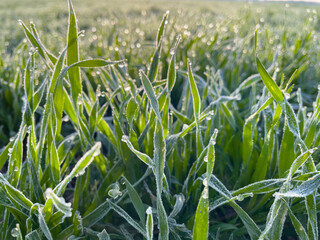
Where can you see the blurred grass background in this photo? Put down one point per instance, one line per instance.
(217, 37)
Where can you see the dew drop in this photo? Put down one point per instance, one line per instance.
(121, 65)
(240, 197)
(125, 138)
(122, 181)
(205, 182)
(10, 150)
(79, 102)
(15, 232)
(205, 159)
(287, 95)
(98, 92)
(114, 193)
(127, 89)
(149, 210)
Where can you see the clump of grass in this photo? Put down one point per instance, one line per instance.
(168, 153)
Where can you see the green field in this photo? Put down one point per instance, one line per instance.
(159, 120)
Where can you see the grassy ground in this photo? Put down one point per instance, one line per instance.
(207, 130)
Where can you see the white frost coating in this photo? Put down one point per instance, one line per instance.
(97, 153)
(124, 138)
(184, 127)
(59, 202)
(49, 193)
(149, 210)
(80, 173)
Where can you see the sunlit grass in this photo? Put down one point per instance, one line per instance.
(153, 128)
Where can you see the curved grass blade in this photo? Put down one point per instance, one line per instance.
(79, 168)
(136, 200)
(150, 93)
(129, 219)
(142, 156)
(59, 203)
(269, 83)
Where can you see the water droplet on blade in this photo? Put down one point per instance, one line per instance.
(15, 232)
(149, 210)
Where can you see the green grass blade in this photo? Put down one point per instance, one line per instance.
(171, 73)
(33, 40)
(15, 194)
(129, 219)
(301, 232)
(201, 222)
(103, 235)
(59, 203)
(196, 108)
(269, 83)
(43, 225)
(136, 200)
(159, 163)
(149, 224)
(261, 187)
(211, 154)
(305, 189)
(311, 206)
(297, 163)
(34, 235)
(73, 54)
(4, 153)
(142, 156)
(162, 28)
(150, 93)
(79, 168)
(287, 154)
(195, 93)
